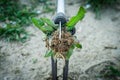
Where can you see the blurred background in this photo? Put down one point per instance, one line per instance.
(22, 47)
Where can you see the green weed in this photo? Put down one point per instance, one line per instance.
(14, 16)
(46, 6)
(111, 72)
(13, 33)
(97, 5)
(11, 11)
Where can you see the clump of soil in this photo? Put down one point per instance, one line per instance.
(61, 46)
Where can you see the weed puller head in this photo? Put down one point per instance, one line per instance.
(62, 42)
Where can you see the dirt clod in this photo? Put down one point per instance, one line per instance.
(61, 46)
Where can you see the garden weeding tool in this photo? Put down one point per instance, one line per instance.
(60, 19)
(61, 31)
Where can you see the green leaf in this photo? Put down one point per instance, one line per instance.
(49, 53)
(48, 22)
(74, 20)
(70, 51)
(48, 28)
(37, 22)
(69, 28)
(78, 45)
(41, 25)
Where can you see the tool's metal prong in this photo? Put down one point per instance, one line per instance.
(65, 70)
(54, 68)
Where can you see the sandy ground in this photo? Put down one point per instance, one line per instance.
(101, 46)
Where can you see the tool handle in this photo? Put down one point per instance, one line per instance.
(60, 15)
(61, 6)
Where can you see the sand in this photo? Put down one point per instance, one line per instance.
(101, 46)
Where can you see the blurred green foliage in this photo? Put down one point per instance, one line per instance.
(11, 11)
(13, 33)
(97, 5)
(46, 6)
(111, 72)
(14, 16)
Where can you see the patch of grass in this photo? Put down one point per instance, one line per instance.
(111, 72)
(14, 16)
(97, 5)
(11, 11)
(46, 6)
(24, 16)
(13, 33)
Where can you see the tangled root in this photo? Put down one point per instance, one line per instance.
(61, 46)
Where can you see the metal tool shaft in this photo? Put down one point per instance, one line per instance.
(61, 6)
(65, 70)
(54, 68)
(60, 13)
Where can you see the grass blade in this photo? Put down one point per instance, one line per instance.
(49, 53)
(78, 45)
(69, 53)
(74, 20)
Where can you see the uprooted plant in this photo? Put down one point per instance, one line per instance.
(60, 47)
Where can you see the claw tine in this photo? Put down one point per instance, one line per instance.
(65, 70)
(54, 68)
